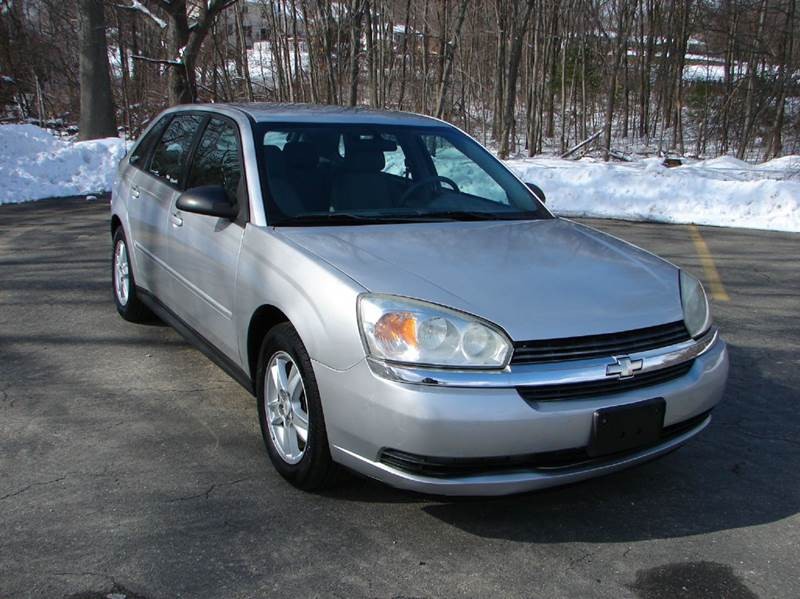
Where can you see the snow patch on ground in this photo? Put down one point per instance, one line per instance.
(263, 69)
(723, 191)
(34, 164)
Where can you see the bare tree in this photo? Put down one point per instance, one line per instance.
(650, 75)
(448, 55)
(184, 42)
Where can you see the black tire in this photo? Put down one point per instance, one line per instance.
(315, 470)
(132, 309)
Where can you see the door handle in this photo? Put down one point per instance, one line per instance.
(176, 220)
(134, 192)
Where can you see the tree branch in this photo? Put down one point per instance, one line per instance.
(171, 63)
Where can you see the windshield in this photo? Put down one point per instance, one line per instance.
(366, 174)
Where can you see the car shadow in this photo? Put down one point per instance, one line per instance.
(731, 476)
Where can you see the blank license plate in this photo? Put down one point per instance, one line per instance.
(623, 428)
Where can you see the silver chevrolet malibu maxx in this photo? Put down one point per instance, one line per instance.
(403, 306)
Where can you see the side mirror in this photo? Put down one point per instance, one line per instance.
(210, 200)
(537, 191)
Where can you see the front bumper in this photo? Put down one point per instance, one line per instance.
(366, 413)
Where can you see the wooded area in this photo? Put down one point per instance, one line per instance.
(677, 77)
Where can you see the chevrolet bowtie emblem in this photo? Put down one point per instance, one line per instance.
(623, 367)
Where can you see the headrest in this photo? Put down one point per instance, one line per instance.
(301, 154)
(368, 141)
(275, 161)
(365, 160)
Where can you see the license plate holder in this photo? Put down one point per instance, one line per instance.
(622, 428)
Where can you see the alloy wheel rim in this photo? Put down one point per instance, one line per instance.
(121, 273)
(286, 407)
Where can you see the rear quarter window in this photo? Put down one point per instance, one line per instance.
(143, 149)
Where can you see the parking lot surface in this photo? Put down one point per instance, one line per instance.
(129, 462)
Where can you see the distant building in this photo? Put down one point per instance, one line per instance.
(257, 22)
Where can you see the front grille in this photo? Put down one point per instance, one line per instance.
(604, 386)
(593, 346)
(552, 460)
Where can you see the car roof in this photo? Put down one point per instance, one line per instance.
(266, 112)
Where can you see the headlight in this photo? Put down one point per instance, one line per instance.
(696, 313)
(415, 332)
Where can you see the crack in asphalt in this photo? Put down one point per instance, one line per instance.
(208, 491)
(30, 486)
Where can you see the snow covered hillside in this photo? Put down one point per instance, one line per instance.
(34, 164)
(722, 191)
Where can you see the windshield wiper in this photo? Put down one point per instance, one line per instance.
(342, 218)
(348, 218)
(477, 215)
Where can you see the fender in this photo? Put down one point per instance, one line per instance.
(273, 271)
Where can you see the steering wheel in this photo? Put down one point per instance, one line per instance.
(425, 182)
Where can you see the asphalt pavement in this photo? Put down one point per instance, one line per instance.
(131, 464)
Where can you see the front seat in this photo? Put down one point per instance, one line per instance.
(281, 192)
(303, 174)
(362, 185)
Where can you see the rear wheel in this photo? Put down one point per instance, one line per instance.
(290, 411)
(128, 303)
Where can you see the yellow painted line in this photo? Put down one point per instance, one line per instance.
(709, 268)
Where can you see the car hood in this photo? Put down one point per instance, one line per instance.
(536, 279)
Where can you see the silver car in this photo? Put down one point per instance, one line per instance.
(403, 306)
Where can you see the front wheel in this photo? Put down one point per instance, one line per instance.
(290, 411)
(127, 301)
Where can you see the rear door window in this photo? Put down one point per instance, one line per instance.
(172, 150)
(216, 160)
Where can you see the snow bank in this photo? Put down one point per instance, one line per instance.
(723, 191)
(34, 164)
(720, 162)
(784, 163)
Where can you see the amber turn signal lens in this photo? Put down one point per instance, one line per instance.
(395, 328)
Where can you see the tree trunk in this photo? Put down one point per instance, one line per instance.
(680, 62)
(403, 54)
(498, 92)
(776, 141)
(372, 84)
(97, 106)
(554, 43)
(447, 67)
(511, 80)
(752, 67)
(181, 88)
(356, 9)
(619, 53)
